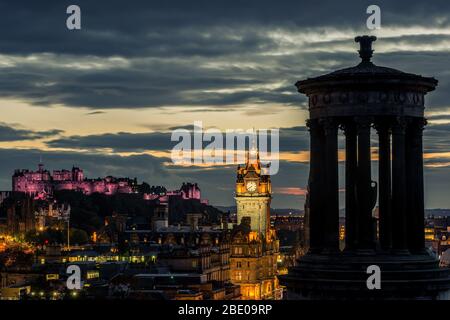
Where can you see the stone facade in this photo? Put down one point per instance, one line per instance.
(254, 244)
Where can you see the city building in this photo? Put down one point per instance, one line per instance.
(254, 244)
(25, 213)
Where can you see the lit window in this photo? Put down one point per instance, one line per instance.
(92, 274)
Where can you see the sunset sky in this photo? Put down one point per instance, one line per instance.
(106, 97)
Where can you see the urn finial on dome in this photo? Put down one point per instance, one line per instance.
(365, 50)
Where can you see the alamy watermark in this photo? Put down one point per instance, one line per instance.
(373, 282)
(73, 22)
(234, 146)
(374, 20)
(74, 279)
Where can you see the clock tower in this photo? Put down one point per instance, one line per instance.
(254, 243)
(253, 193)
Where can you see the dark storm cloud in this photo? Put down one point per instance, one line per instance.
(436, 138)
(11, 133)
(144, 84)
(171, 50)
(143, 27)
(290, 140)
(439, 117)
(427, 63)
(119, 142)
(437, 187)
(294, 139)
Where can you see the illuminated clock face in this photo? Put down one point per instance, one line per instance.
(251, 186)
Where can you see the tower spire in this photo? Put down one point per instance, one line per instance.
(40, 165)
(254, 152)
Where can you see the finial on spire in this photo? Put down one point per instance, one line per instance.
(40, 164)
(253, 152)
(253, 147)
(365, 47)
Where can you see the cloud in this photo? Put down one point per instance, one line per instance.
(9, 132)
(291, 191)
(293, 139)
(216, 55)
(436, 139)
(118, 142)
(195, 28)
(95, 113)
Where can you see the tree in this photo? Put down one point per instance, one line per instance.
(78, 236)
(144, 187)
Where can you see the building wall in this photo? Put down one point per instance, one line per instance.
(256, 276)
(257, 208)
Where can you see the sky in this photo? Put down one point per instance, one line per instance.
(107, 97)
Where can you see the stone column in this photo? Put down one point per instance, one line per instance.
(331, 199)
(351, 213)
(414, 182)
(384, 183)
(364, 184)
(399, 236)
(316, 184)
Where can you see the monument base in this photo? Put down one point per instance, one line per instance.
(343, 276)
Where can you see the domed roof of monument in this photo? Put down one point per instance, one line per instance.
(366, 66)
(365, 70)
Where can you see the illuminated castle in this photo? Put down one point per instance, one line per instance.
(41, 183)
